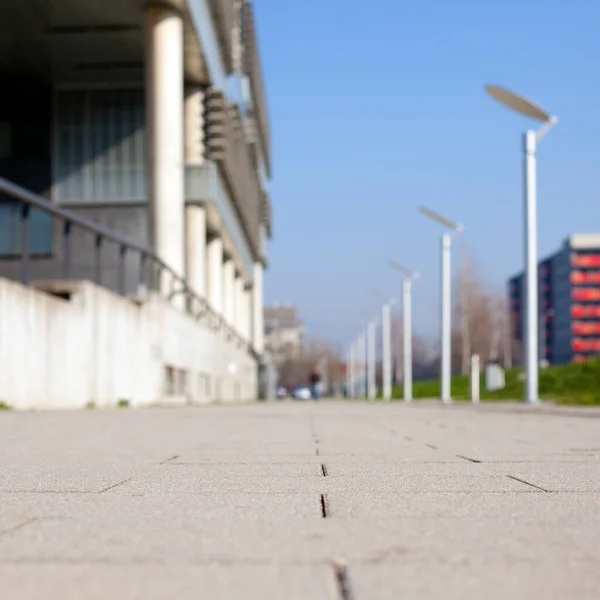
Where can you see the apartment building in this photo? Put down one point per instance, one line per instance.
(284, 332)
(568, 302)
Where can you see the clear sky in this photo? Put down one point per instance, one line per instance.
(377, 107)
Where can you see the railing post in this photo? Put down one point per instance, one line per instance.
(143, 278)
(66, 249)
(98, 275)
(122, 256)
(24, 213)
(475, 379)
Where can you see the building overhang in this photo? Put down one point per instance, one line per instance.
(80, 42)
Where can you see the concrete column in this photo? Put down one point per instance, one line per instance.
(194, 125)
(258, 334)
(214, 272)
(244, 312)
(228, 290)
(164, 105)
(195, 215)
(239, 304)
(196, 248)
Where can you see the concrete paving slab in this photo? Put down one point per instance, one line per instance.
(386, 489)
(497, 581)
(158, 582)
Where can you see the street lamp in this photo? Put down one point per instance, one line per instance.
(386, 346)
(410, 276)
(371, 360)
(446, 307)
(531, 138)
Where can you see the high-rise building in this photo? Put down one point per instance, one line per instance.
(284, 332)
(568, 302)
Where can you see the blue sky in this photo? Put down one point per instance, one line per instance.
(377, 107)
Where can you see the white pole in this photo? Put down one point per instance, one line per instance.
(350, 372)
(362, 385)
(386, 351)
(445, 320)
(407, 342)
(371, 384)
(475, 378)
(531, 274)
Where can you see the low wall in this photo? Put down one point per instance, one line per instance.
(73, 344)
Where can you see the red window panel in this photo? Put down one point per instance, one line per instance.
(585, 294)
(585, 260)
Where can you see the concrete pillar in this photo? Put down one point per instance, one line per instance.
(195, 215)
(257, 309)
(228, 290)
(194, 125)
(239, 304)
(214, 272)
(164, 120)
(196, 248)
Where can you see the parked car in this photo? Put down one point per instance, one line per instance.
(301, 392)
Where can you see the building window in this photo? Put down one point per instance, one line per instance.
(100, 146)
(40, 230)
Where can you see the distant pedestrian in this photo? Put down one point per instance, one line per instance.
(315, 384)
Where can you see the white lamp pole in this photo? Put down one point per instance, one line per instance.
(531, 138)
(362, 381)
(446, 304)
(371, 360)
(386, 349)
(407, 341)
(350, 372)
(410, 276)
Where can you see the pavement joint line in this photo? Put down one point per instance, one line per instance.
(324, 470)
(114, 485)
(537, 487)
(432, 446)
(342, 580)
(18, 525)
(473, 460)
(408, 438)
(324, 506)
(164, 462)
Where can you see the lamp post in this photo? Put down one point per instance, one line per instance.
(350, 372)
(445, 324)
(371, 360)
(386, 348)
(409, 277)
(361, 351)
(531, 138)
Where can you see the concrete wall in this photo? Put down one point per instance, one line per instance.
(98, 347)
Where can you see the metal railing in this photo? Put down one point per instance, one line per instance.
(151, 268)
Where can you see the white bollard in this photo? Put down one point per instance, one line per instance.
(475, 379)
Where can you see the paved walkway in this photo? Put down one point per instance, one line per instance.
(296, 501)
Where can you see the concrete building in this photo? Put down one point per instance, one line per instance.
(148, 117)
(284, 333)
(569, 302)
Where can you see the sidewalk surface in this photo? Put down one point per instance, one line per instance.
(300, 500)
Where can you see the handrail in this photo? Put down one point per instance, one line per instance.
(101, 233)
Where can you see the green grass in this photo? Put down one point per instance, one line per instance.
(575, 384)
(5, 406)
(123, 403)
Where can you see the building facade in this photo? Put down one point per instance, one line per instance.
(148, 117)
(569, 302)
(284, 333)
